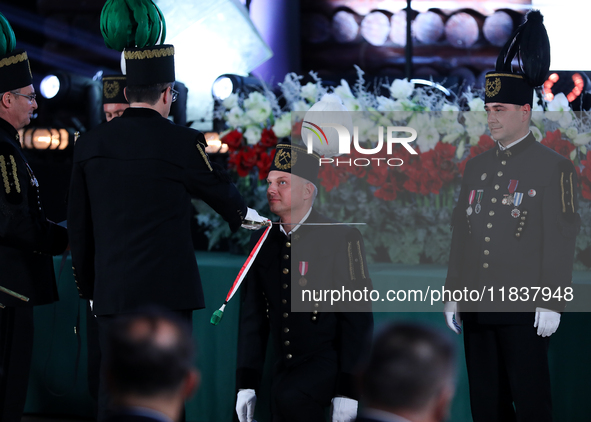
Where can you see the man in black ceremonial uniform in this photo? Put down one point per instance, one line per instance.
(27, 238)
(316, 348)
(130, 201)
(514, 229)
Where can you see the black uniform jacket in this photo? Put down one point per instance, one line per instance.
(130, 209)
(27, 239)
(335, 257)
(514, 246)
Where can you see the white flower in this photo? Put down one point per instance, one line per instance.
(557, 107)
(460, 150)
(571, 132)
(257, 107)
(401, 88)
(231, 101)
(476, 104)
(565, 119)
(343, 90)
(475, 131)
(351, 104)
(387, 104)
(427, 139)
(253, 135)
(282, 126)
(582, 139)
(300, 106)
(310, 92)
(536, 132)
(475, 118)
(235, 117)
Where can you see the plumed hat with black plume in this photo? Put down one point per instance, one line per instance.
(15, 70)
(531, 46)
(135, 27)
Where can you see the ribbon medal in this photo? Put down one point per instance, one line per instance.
(509, 199)
(470, 200)
(303, 270)
(517, 201)
(479, 194)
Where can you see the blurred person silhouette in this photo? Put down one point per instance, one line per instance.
(149, 367)
(409, 375)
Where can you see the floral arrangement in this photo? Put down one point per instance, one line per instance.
(420, 193)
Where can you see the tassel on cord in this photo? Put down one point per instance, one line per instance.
(217, 315)
(7, 38)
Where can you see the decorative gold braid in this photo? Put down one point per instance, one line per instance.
(8, 61)
(350, 253)
(360, 260)
(562, 189)
(4, 174)
(149, 54)
(204, 156)
(572, 199)
(510, 75)
(15, 174)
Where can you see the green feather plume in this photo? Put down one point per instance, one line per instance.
(132, 23)
(7, 38)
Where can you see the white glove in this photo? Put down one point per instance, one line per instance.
(452, 316)
(344, 409)
(253, 216)
(546, 322)
(245, 402)
(91, 303)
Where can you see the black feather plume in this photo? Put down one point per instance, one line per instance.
(531, 46)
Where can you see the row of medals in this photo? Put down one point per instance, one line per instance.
(508, 199)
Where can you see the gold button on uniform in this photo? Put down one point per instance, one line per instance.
(285, 286)
(285, 271)
(315, 312)
(519, 229)
(486, 252)
(286, 330)
(284, 301)
(287, 343)
(314, 318)
(487, 239)
(504, 162)
(491, 213)
(285, 315)
(489, 225)
(500, 173)
(289, 356)
(288, 245)
(517, 234)
(493, 200)
(497, 187)
(285, 256)
(485, 265)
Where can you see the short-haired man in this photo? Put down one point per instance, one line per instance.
(130, 205)
(514, 231)
(27, 238)
(409, 376)
(316, 349)
(114, 101)
(149, 364)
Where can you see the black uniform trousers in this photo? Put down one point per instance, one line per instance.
(16, 351)
(513, 359)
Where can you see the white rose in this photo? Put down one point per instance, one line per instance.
(231, 101)
(257, 107)
(253, 135)
(571, 132)
(282, 126)
(310, 92)
(236, 117)
(401, 88)
(582, 139)
(476, 104)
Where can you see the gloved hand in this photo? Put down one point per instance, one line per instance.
(245, 402)
(344, 409)
(252, 216)
(452, 316)
(546, 322)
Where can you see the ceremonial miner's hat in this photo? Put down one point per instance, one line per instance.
(531, 46)
(15, 70)
(295, 159)
(113, 86)
(135, 28)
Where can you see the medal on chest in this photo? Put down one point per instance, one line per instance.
(470, 201)
(509, 198)
(303, 267)
(517, 198)
(479, 194)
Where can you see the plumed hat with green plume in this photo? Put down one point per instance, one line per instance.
(135, 27)
(15, 71)
(531, 46)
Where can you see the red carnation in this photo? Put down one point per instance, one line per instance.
(268, 138)
(264, 164)
(553, 140)
(330, 176)
(243, 161)
(233, 139)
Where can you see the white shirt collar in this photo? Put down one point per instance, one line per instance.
(297, 226)
(503, 148)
